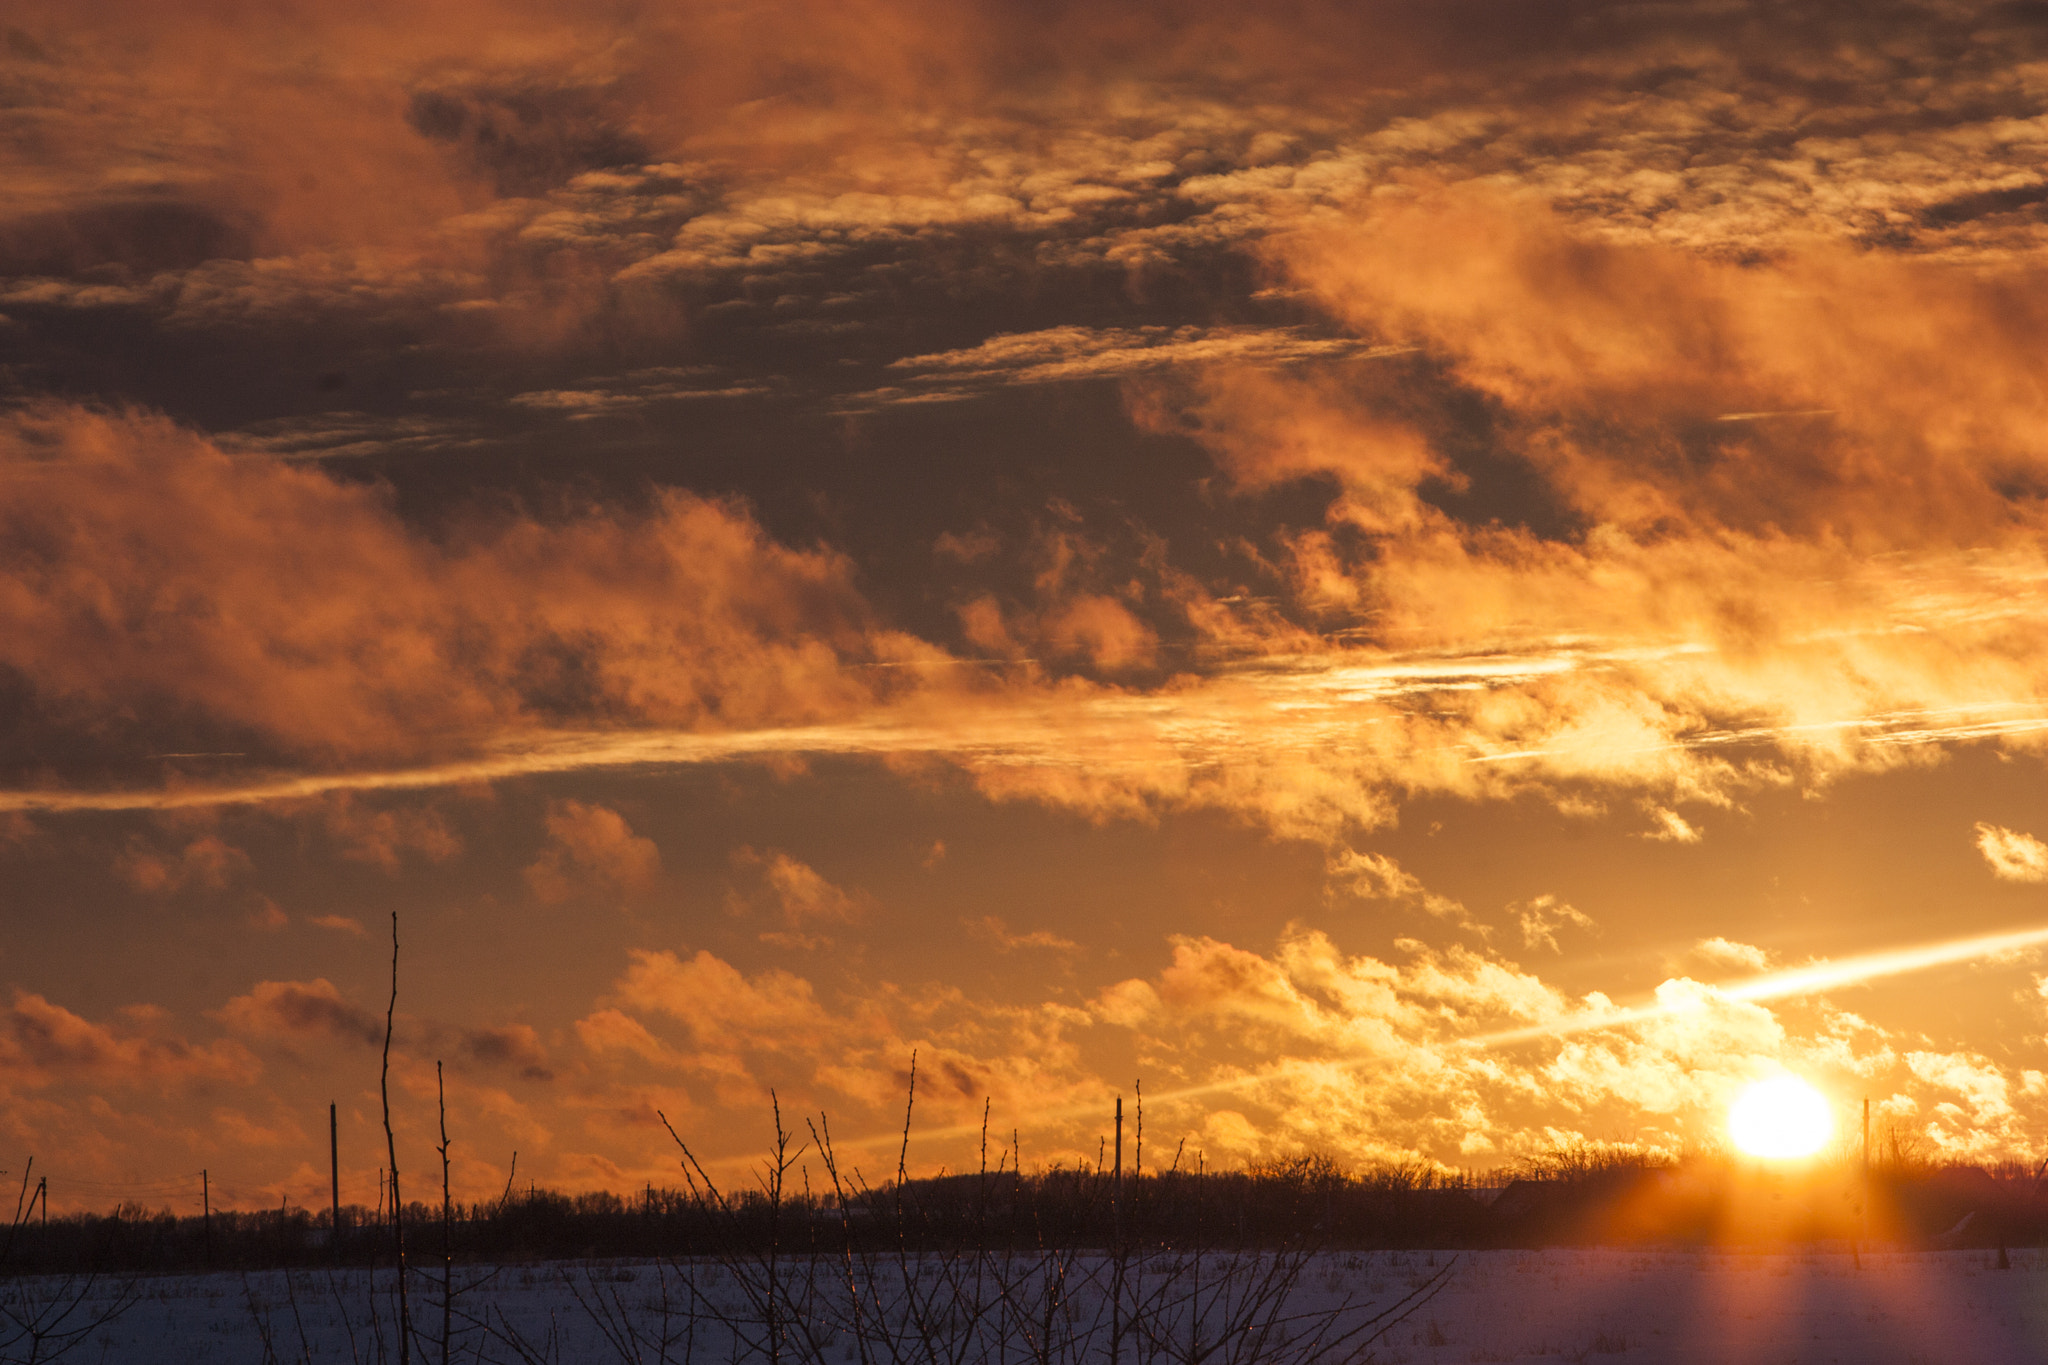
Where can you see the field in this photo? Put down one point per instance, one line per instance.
(1633, 1305)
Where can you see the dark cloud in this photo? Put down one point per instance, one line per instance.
(510, 1045)
(133, 240)
(527, 141)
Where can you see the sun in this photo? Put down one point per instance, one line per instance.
(1780, 1118)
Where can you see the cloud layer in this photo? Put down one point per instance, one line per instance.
(435, 449)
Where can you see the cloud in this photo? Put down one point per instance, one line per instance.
(1975, 1117)
(510, 1045)
(2014, 857)
(1727, 953)
(1375, 876)
(43, 1044)
(384, 836)
(1062, 354)
(207, 861)
(341, 924)
(1555, 324)
(273, 604)
(1671, 827)
(719, 1006)
(637, 390)
(1681, 607)
(996, 931)
(746, 1033)
(1388, 1059)
(596, 844)
(300, 1009)
(347, 435)
(802, 896)
(1542, 917)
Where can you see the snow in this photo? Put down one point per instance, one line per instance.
(1619, 1305)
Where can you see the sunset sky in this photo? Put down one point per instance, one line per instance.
(1392, 570)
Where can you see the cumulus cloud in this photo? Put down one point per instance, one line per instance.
(2014, 857)
(1402, 1058)
(593, 843)
(207, 861)
(797, 893)
(1971, 1114)
(743, 1033)
(384, 836)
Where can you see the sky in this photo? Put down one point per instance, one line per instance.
(1420, 582)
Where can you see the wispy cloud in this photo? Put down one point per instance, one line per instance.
(1062, 354)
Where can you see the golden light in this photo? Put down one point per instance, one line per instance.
(1780, 1118)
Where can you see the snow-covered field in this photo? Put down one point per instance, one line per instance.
(1496, 1306)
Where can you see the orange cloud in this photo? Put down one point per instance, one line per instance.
(805, 899)
(746, 1033)
(276, 603)
(2014, 856)
(1882, 399)
(1375, 1057)
(384, 836)
(596, 842)
(207, 861)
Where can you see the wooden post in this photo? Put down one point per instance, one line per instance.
(334, 1178)
(206, 1215)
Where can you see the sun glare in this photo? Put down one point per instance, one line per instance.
(1780, 1118)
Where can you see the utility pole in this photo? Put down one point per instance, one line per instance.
(334, 1175)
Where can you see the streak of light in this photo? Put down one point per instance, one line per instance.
(1811, 979)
